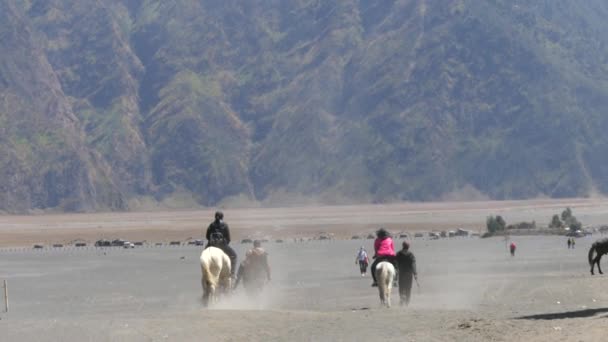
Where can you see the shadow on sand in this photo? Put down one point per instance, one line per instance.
(567, 314)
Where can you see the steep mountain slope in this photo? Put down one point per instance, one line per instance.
(354, 101)
(43, 159)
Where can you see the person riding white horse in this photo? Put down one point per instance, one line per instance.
(384, 251)
(218, 235)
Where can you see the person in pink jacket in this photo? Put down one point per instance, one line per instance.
(384, 251)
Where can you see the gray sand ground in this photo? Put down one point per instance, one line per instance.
(471, 290)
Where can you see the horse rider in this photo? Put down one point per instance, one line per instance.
(362, 260)
(255, 259)
(512, 248)
(218, 235)
(406, 262)
(384, 251)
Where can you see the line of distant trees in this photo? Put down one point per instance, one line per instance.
(497, 224)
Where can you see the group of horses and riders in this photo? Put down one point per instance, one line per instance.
(219, 261)
(219, 264)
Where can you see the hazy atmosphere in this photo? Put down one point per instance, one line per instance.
(474, 130)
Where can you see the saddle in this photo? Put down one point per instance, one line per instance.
(216, 239)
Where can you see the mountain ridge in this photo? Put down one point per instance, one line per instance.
(105, 106)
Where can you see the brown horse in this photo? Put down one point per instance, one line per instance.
(600, 247)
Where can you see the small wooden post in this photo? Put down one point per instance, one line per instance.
(5, 296)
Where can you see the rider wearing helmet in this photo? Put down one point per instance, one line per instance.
(218, 235)
(384, 251)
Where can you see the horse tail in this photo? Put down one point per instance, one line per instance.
(207, 276)
(382, 276)
(591, 250)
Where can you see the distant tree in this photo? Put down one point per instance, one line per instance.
(566, 214)
(501, 222)
(576, 225)
(556, 222)
(495, 224)
(569, 220)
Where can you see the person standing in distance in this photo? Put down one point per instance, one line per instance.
(218, 235)
(362, 260)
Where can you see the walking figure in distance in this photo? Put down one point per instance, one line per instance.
(406, 262)
(362, 260)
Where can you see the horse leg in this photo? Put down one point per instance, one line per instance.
(206, 293)
(389, 288)
(381, 293)
(226, 284)
(598, 263)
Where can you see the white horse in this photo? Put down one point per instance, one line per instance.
(215, 266)
(385, 273)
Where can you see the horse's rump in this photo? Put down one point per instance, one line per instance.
(385, 273)
(215, 266)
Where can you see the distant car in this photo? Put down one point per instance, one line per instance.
(175, 243)
(57, 245)
(38, 246)
(103, 243)
(576, 233)
(128, 244)
(462, 232)
(138, 243)
(403, 236)
(279, 241)
(246, 241)
(118, 242)
(80, 244)
(418, 235)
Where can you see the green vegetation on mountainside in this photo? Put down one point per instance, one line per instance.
(357, 100)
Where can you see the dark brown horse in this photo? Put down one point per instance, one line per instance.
(600, 247)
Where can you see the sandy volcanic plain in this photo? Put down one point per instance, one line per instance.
(471, 289)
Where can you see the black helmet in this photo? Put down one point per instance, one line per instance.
(382, 233)
(219, 215)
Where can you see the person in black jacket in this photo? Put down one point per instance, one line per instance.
(218, 235)
(406, 262)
